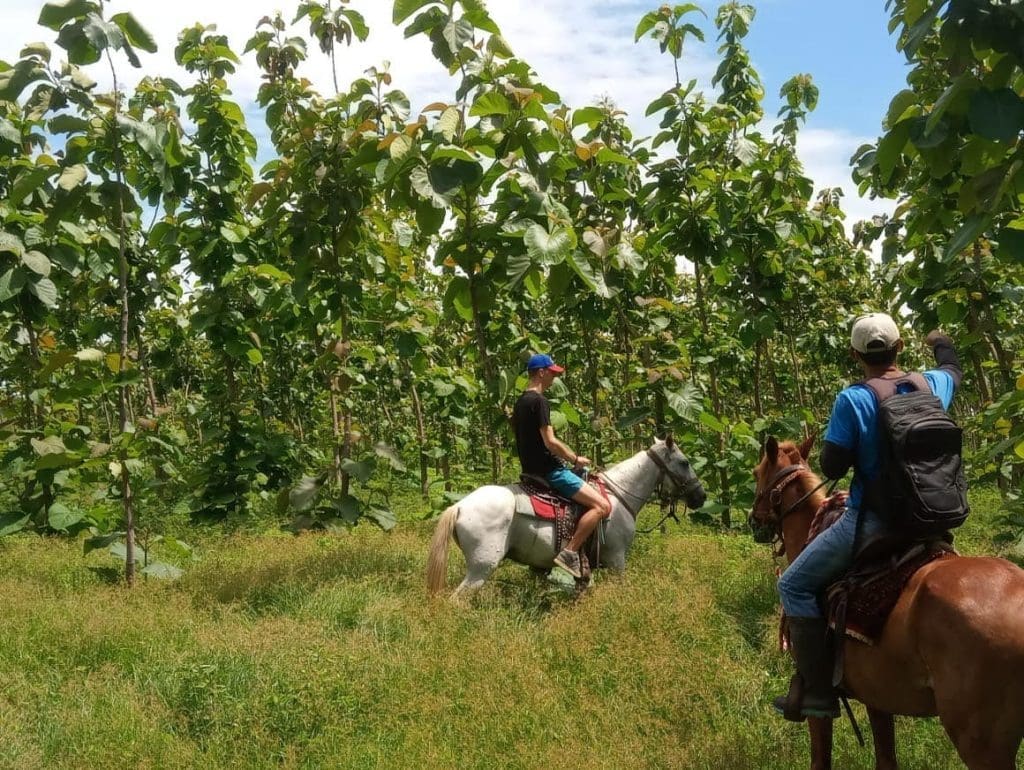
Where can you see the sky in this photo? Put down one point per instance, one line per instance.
(583, 49)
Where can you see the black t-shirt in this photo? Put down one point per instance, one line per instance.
(531, 413)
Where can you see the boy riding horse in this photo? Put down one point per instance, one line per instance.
(541, 454)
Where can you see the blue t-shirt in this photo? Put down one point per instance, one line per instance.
(854, 425)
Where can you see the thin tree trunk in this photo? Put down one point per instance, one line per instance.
(421, 438)
(795, 361)
(124, 407)
(758, 354)
(716, 401)
(336, 434)
(493, 441)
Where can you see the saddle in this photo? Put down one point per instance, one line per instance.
(859, 602)
(535, 497)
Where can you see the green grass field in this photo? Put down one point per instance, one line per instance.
(324, 651)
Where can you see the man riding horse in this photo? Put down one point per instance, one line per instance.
(541, 454)
(851, 439)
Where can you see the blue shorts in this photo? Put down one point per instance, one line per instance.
(564, 481)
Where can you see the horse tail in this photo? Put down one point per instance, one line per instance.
(437, 560)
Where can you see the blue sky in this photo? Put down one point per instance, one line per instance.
(583, 49)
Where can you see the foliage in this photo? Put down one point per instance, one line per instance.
(190, 334)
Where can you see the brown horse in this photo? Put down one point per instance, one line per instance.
(953, 646)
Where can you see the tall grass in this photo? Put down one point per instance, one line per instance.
(324, 651)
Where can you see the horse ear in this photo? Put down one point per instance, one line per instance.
(805, 448)
(669, 441)
(771, 449)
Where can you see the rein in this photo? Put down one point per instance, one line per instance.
(774, 514)
(663, 470)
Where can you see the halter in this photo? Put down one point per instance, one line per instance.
(684, 486)
(763, 517)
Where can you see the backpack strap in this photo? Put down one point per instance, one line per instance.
(884, 387)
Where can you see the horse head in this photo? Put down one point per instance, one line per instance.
(780, 465)
(679, 478)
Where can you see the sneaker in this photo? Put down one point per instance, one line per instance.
(570, 562)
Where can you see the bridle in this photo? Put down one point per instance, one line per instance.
(768, 514)
(683, 486)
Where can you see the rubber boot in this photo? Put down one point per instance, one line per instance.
(811, 693)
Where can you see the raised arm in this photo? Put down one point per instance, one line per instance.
(945, 355)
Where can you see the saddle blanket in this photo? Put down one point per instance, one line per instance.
(532, 500)
(865, 600)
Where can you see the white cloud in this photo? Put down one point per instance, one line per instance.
(582, 49)
(825, 154)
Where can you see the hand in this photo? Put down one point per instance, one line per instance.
(934, 338)
(581, 462)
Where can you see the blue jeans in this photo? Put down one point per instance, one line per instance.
(565, 482)
(823, 560)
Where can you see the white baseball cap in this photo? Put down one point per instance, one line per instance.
(873, 333)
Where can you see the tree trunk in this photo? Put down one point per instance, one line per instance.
(758, 354)
(421, 439)
(336, 432)
(795, 361)
(716, 401)
(487, 366)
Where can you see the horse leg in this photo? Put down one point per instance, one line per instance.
(821, 743)
(986, 734)
(484, 544)
(883, 734)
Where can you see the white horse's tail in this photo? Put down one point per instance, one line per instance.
(437, 560)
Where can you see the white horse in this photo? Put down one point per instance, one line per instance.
(487, 529)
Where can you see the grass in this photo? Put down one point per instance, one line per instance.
(323, 651)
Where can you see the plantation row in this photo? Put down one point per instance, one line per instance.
(187, 333)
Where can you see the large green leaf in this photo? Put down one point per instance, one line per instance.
(448, 123)
(9, 131)
(13, 522)
(55, 15)
(11, 283)
(634, 416)
(890, 149)
(60, 517)
(996, 115)
(588, 116)
(45, 290)
(490, 103)
(519, 265)
(11, 243)
(458, 298)
(349, 509)
(72, 176)
(96, 542)
(457, 32)
(449, 174)
(687, 401)
(546, 247)
(420, 181)
(48, 445)
(588, 274)
(403, 9)
(303, 493)
(135, 32)
(966, 235)
(390, 454)
(361, 470)
(382, 517)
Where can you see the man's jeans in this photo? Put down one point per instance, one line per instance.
(823, 560)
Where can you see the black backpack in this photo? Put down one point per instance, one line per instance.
(920, 487)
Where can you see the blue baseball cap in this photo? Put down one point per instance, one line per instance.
(543, 361)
